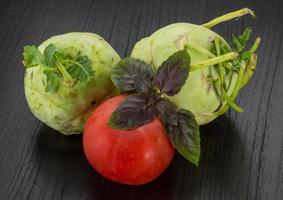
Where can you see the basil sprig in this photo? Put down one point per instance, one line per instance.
(147, 100)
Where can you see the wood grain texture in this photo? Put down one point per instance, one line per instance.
(242, 154)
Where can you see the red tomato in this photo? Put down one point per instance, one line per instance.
(132, 157)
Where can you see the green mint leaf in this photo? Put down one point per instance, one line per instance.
(52, 81)
(132, 75)
(166, 111)
(49, 53)
(80, 68)
(132, 113)
(32, 57)
(185, 136)
(173, 73)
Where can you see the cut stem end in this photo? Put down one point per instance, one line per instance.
(229, 16)
(214, 61)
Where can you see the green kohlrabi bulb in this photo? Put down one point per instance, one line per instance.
(67, 108)
(218, 71)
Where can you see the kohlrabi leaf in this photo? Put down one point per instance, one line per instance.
(80, 68)
(239, 42)
(52, 81)
(58, 66)
(132, 113)
(173, 73)
(166, 111)
(186, 136)
(132, 75)
(49, 52)
(32, 57)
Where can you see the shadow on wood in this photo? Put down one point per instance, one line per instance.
(221, 140)
(64, 164)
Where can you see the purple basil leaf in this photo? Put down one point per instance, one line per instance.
(166, 111)
(173, 73)
(132, 113)
(132, 75)
(185, 136)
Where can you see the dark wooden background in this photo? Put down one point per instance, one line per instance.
(242, 154)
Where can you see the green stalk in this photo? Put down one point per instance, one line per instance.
(68, 80)
(227, 66)
(250, 68)
(255, 45)
(214, 61)
(235, 91)
(229, 78)
(49, 68)
(200, 49)
(221, 70)
(226, 97)
(229, 16)
(231, 102)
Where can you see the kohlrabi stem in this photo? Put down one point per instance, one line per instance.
(231, 103)
(229, 76)
(68, 80)
(214, 61)
(229, 16)
(250, 68)
(235, 91)
(225, 96)
(49, 68)
(221, 70)
(228, 66)
(200, 49)
(255, 45)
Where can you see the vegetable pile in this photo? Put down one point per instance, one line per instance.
(218, 70)
(148, 100)
(182, 76)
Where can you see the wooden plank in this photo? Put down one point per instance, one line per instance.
(242, 154)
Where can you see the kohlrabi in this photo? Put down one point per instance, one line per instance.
(66, 77)
(218, 69)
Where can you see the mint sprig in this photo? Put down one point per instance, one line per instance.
(147, 100)
(58, 67)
